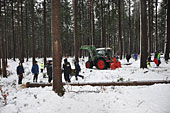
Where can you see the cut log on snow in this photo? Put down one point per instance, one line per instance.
(28, 84)
(126, 83)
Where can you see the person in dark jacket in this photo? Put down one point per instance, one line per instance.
(78, 69)
(35, 71)
(67, 70)
(50, 71)
(20, 71)
(128, 56)
(149, 60)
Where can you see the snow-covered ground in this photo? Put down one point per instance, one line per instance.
(87, 99)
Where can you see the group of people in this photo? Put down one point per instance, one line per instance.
(156, 59)
(68, 71)
(128, 56)
(35, 70)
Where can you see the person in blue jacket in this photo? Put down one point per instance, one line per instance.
(35, 71)
(20, 71)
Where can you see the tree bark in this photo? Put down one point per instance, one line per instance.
(26, 25)
(102, 26)
(19, 32)
(92, 24)
(75, 30)
(33, 35)
(144, 41)
(130, 44)
(120, 30)
(13, 32)
(56, 35)
(167, 40)
(45, 59)
(149, 26)
(130, 83)
(3, 42)
(156, 27)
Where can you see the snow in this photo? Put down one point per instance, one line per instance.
(87, 99)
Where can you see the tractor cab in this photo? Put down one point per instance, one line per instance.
(105, 52)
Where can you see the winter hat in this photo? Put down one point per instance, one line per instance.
(65, 60)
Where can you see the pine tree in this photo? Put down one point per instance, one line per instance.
(144, 41)
(56, 35)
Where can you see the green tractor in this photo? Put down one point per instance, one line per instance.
(100, 57)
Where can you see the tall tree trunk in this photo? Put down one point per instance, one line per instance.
(75, 30)
(167, 40)
(3, 42)
(144, 41)
(1, 35)
(149, 37)
(123, 30)
(92, 23)
(6, 35)
(130, 38)
(45, 59)
(33, 35)
(22, 33)
(19, 33)
(56, 35)
(120, 30)
(13, 31)
(156, 27)
(102, 26)
(26, 25)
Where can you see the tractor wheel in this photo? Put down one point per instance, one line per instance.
(101, 64)
(89, 64)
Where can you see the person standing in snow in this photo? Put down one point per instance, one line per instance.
(149, 60)
(35, 71)
(157, 58)
(78, 69)
(50, 71)
(42, 67)
(128, 56)
(20, 71)
(67, 70)
(135, 56)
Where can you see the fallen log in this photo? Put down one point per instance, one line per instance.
(123, 83)
(28, 84)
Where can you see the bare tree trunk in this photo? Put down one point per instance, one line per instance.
(56, 35)
(1, 35)
(120, 30)
(149, 37)
(13, 30)
(123, 30)
(45, 59)
(167, 40)
(75, 30)
(92, 23)
(3, 46)
(19, 33)
(26, 25)
(144, 41)
(130, 38)
(156, 27)
(102, 26)
(22, 33)
(33, 40)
